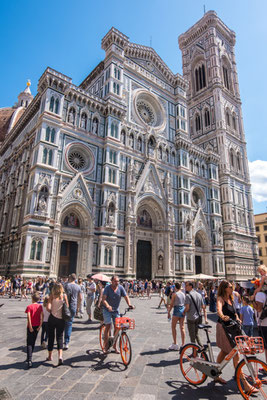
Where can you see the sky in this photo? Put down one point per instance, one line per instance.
(66, 35)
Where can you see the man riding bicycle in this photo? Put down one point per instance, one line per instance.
(111, 302)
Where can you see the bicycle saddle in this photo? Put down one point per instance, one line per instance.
(202, 326)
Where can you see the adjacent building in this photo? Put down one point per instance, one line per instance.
(136, 171)
(261, 232)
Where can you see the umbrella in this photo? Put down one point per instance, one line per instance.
(202, 276)
(101, 277)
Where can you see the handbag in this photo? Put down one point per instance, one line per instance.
(98, 313)
(66, 314)
(232, 329)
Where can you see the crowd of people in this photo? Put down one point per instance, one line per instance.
(55, 304)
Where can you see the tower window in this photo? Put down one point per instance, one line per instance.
(207, 118)
(198, 123)
(200, 77)
(226, 78)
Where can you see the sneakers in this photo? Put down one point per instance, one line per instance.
(173, 347)
(43, 345)
(29, 364)
(66, 346)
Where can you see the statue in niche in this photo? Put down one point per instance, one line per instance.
(71, 116)
(199, 203)
(95, 126)
(110, 216)
(83, 121)
(160, 262)
(42, 203)
(131, 141)
(188, 233)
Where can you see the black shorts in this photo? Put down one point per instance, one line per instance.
(263, 334)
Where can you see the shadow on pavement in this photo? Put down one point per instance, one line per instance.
(97, 361)
(158, 351)
(204, 392)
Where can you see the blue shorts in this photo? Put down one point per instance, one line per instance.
(178, 311)
(109, 316)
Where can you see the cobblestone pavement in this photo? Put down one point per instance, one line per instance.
(154, 373)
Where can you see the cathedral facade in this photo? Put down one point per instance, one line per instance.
(136, 171)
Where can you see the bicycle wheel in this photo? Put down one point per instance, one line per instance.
(243, 370)
(101, 336)
(191, 374)
(125, 349)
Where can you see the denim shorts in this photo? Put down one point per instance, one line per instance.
(109, 316)
(178, 311)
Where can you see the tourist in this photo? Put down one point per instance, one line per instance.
(23, 290)
(74, 294)
(261, 317)
(91, 292)
(34, 322)
(111, 302)
(213, 299)
(44, 333)
(193, 307)
(247, 317)
(177, 303)
(80, 311)
(56, 322)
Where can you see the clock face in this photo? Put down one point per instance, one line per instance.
(146, 112)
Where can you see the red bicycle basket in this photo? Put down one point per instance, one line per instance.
(124, 322)
(249, 345)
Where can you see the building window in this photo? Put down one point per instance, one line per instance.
(265, 238)
(50, 135)
(36, 249)
(52, 102)
(258, 229)
(57, 106)
(265, 227)
(197, 123)
(116, 88)
(47, 156)
(120, 256)
(112, 176)
(113, 157)
(260, 252)
(200, 77)
(227, 118)
(207, 118)
(108, 256)
(259, 239)
(234, 122)
(226, 78)
(114, 130)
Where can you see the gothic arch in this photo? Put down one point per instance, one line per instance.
(85, 219)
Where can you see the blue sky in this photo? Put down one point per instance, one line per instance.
(66, 36)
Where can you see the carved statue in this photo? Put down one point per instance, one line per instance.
(83, 121)
(71, 116)
(95, 126)
(110, 217)
(42, 203)
(160, 262)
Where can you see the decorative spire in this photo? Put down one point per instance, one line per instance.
(26, 96)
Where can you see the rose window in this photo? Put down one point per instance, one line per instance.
(79, 157)
(145, 112)
(148, 109)
(76, 160)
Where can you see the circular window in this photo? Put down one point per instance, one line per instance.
(148, 109)
(79, 157)
(146, 112)
(76, 160)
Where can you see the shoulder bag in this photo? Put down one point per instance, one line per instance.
(66, 314)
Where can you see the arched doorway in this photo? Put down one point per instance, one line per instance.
(69, 248)
(144, 259)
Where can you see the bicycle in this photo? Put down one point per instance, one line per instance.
(123, 323)
(196, 365)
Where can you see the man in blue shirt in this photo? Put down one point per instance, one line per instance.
(111, 300)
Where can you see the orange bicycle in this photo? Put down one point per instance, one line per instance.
(123, 323)
(198, 363)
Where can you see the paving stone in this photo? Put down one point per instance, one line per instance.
(51, 395)
(106, 387)
(125, 391)
(82, 388)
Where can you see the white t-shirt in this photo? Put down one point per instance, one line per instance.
(261, 298)
(91, 290)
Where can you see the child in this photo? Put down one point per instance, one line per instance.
(247, 317)
(35, 319)
(262, 270)
(44, 334)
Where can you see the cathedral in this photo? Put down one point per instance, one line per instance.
(136, 171)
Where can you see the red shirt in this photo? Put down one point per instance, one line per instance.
(35, 311)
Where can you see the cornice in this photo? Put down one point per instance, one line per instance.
(182, 142)
(209, 20)
(94, 74)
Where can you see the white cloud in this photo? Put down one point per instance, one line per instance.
(258, 178)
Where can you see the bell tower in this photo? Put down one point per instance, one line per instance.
(215, 121)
